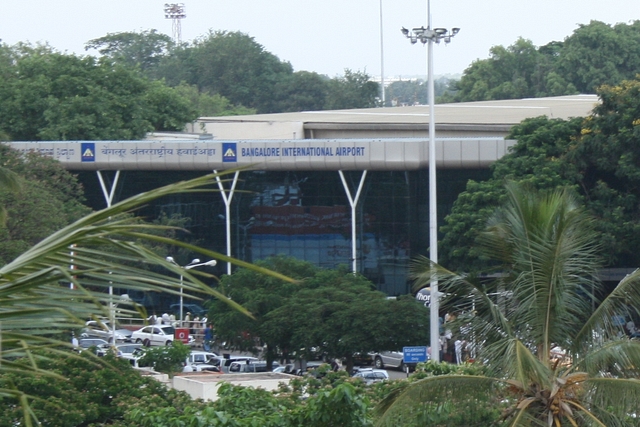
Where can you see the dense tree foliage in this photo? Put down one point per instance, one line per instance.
(340, 314)
(85, 391)
(143, 50)
(80, 391)
(595, 54)
(232, 65)
(333, 311)
(49, 198)
(596, 156)
(46, 95)
(411, 92)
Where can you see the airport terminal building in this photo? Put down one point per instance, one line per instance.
(330, 187)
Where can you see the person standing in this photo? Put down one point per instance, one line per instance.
(208, 337)
(186, 322)
(458, 344)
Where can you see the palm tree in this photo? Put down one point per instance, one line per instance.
(48, 291)
(545, 296)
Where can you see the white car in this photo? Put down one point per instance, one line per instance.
(156, 335)
(102, 329)
(370, 375)
(203, 361)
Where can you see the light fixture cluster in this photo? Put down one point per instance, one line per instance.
(174, 11)
(425, 34)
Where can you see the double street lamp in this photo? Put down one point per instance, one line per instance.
(431, 36)
(194, 263)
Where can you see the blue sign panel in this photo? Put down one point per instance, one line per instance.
(229, 152)
(88, 152)
(414, 354)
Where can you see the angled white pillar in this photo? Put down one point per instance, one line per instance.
(353, 202)
(108, 196)
(226, 197)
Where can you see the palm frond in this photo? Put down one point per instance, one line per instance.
(435, 391)
(616, 396)
(623, 301)
(48, 291)
(616, 358)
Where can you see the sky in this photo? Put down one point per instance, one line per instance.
(325, 36)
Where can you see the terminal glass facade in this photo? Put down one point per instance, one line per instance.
(307, 215)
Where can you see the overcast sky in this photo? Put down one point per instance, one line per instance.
(325, 36)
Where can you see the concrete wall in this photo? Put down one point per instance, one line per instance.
(205, 386)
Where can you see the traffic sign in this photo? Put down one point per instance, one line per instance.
(414, 354)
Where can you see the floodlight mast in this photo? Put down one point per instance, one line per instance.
(175, 12)
(427, 35)
(195, 263)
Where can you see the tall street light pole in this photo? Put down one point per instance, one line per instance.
(195, 263)
(430, 36)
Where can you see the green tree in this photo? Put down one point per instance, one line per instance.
(410, 92)
(52, 96)
(143, 50)
(302, 91)
(546, 249)
(598, 54)
(169, 359)
(537, 159)
(342, 314)
(334, 311)
(596, 155)
(606, 155)
(260, 295)
(354, 90)
(208, 105)
(47, 199)
(518, 71)
(81, 390)
(231, 64)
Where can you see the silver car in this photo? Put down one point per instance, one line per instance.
(370, 375)
(389, 359)
(102, 329)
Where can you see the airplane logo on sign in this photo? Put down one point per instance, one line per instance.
(88, 152)
(229, 152)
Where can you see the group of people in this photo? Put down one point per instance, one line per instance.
(195, 325)
(453, 349)
(165, 319)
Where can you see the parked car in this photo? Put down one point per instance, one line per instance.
(120, 350)
(390, 359)
(156, 335)
(203, 361)
(371, 375)
(226, 362)
(362, 359)
(289, 368)
(250, 366)
(98, 343)
(102, 329)
(134, 356)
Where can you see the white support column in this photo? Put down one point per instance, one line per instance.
(108, 196)
(353, 202)
(227, 215)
